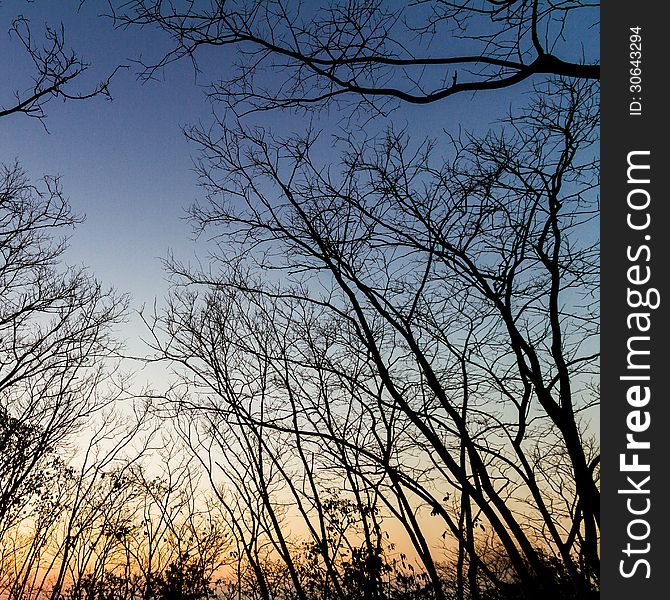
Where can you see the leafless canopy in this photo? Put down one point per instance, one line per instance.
(297, 55)
(55, 325)
(419, 333)
(56, 72)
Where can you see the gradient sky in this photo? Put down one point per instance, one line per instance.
(125, 164)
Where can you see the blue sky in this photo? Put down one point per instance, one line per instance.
(125, 164)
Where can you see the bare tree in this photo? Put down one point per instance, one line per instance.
(55, 335)
(57, 71)
(419, 333)
(294, 54)
(113, 520)
(422, 332)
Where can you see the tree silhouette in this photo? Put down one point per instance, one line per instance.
(56, 72)
(422, 329)
(293, 54)
(405, 337)
(55, 325)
